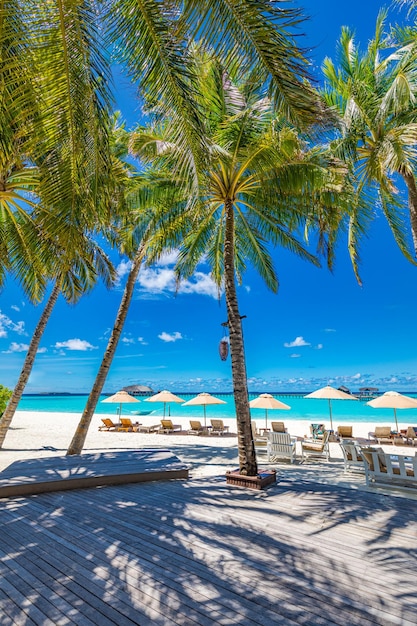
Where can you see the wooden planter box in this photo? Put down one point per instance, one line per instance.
(263, 479)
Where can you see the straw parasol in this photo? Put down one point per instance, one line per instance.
(165, 397)
(393, 400)
(203, 399)
(267, 401)
(119, 398)
(330, 393)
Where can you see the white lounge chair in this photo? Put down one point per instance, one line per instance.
(260, 442)
(316, 448)
(281, 445)
(389, 469)
(218, 428)
(352, 456)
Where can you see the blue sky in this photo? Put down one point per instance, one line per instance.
(320, 328)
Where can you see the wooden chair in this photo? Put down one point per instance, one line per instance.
(317, 430)
(126, 425)
(411, 435)
(168, 427)
(107, 424)
(259, 441)
(389, 469)
(345, 432)
(278, 427)
(196, 428)
(317, 448)
(281, 445)
(352, 456)
(143, 428)
(218, 428)
(381, 434)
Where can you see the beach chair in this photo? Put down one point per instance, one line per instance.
(411, 435)
(352, 456)
(381, 434)
(282, 446)
(168, 427)
(126, 425)
(316, 448)
(278, 427)
(143, 428)
(259, 441)
(107, 424)
(196, 428)
(218, 428)
(344, 432)
(317, 431)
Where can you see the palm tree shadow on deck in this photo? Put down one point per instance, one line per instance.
(201, 552)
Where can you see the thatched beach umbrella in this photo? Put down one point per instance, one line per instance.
(202, 399)
(165, 397)
(330, 393)
(393, 400)
(267, 401)
(119, 398)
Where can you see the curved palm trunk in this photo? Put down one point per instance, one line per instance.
(412, 205)
(246, 448)
(78, 440)
(8, 414)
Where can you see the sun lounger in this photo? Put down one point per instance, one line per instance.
(352, 456)
(316, 448)
(218, 428)
(317, 431)
(142, 428)
(411, 435)
(344, 432)
(282, 446)
(107, 424)
(381, 434)
(168, 427)
(126, 425)
(278, 427)
(259, 441)
(196, 428)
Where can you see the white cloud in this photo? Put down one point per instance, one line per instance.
(16, 347)
(6, 324)
(15, 308)
(319, 346)
(329, 330)
(163, 279)
(75, 344)
(142, 341)
(169, 258)
(167, 337)
(122, 269)
(42, 350)
(127, 340)
(297, 343)
(295, 356)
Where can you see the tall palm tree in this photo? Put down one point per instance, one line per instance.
(73, 277)
(374, 95)
(261, 186)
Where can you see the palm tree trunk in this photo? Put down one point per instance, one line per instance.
(78, 440)
(246, 448)
(412, 205)
(8, 414)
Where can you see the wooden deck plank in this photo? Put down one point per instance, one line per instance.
(128, 531)
(175, 553)
(61, 473)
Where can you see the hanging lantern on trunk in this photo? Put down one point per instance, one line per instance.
(224, 348)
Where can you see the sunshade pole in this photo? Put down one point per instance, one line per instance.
(266, 418)
(331, 417)
(395, 417)
(204, 407)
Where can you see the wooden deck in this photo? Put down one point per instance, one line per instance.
(197, 552)
(59, 473)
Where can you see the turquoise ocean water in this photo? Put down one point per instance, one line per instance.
(344, 411)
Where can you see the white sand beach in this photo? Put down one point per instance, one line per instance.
(42, 434)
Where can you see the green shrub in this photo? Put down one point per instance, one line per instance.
(5, 395)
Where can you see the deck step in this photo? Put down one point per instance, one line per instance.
(59, 473)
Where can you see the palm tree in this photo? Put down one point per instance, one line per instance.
(261, 186)
(374, 95)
